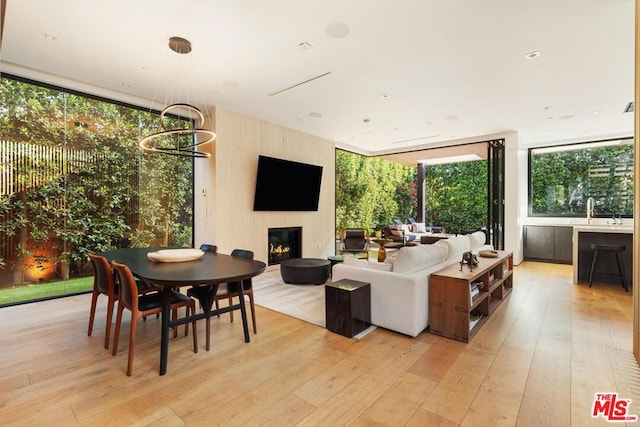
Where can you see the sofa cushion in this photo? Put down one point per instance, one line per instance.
(415, 258)
(350, 260)
(477, 239)
(457, 246)
(381, 266)
(363, 263)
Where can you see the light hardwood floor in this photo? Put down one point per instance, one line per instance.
(538, 361)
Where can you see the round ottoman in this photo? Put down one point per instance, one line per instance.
(305, 270)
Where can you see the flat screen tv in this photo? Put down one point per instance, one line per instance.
(285, 185)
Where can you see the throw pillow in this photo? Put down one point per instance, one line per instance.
(405, 228)
(457, 246)
(395, 232)
(477, 239)
(419, 227)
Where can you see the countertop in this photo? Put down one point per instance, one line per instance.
(596, 228)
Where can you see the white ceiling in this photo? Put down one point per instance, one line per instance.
(453, 70)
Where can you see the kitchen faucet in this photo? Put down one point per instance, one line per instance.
(589, 210)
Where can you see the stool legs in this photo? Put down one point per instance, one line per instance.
(623, 276)
(620, 265)
(594, 262)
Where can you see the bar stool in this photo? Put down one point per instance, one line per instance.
(599, 248)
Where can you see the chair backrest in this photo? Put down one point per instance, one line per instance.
(128, 288)
(103, 275)
(355, 239)
(398, 221)
(243, 253)
(411, 220)
(209, 248)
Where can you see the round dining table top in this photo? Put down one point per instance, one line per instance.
(211, 268)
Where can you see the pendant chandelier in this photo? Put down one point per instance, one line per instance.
(179, 141)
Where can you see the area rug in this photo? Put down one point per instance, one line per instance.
(304, 302)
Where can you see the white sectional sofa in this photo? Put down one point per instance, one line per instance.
(400, 285)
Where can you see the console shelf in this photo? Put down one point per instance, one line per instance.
(456, 313)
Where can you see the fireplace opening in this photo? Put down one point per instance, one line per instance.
(284, 243)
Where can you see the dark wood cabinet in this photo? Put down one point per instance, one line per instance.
(550, 243)
(347, 307)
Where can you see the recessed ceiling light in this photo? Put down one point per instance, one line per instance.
(566, 117)
(50, 36)
(546, 107)
(385, 96)
(532, 55)
(366, 120)
(337, 30)
(305, 46)
(315, 114)
(594, 112)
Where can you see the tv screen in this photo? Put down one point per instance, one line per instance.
(284, 185)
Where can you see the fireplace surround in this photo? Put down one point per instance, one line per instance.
(284, 243)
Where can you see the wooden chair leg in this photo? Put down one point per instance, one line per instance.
(253, 313)
(116, 334)
(132, 344)
(231, 312)
(92, 311)
(107, 333)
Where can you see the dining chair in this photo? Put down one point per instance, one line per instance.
(144, 305)
(209, 294)
(229, 291)
(204, 294)
(104, 283)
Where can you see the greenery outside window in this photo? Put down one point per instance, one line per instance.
(562, 179)
(72, 180)
(456, 196)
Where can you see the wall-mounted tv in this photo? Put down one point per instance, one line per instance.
(285, 185)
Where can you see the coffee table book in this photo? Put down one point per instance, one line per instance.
(453, 311)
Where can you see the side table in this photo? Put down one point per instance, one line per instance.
(347, 307)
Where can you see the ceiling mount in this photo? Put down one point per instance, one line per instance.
(179, 45)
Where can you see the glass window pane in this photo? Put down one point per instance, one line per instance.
(563, 178)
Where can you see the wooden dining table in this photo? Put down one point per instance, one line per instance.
(211, 269)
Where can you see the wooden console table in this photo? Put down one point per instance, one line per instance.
(456, 313)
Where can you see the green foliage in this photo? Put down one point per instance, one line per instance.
(456, 195)
(82, 182)
(371, 192)
(561, 182)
